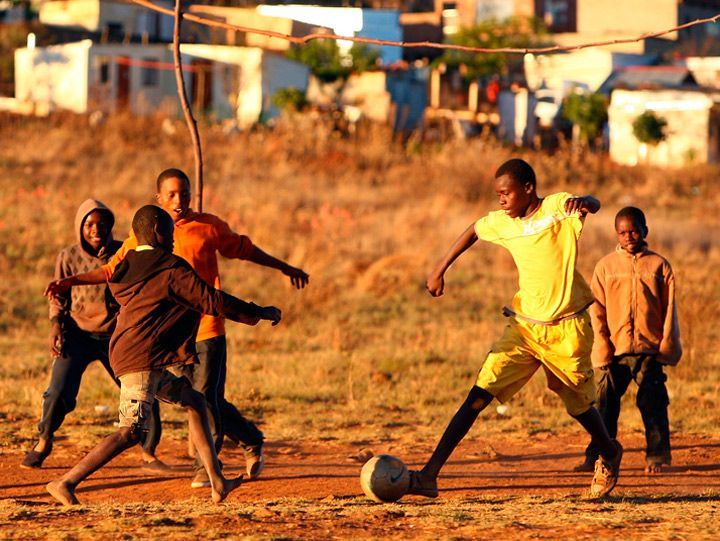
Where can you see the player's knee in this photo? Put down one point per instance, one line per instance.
(130, 435)
(649, 398)
(193, 399)
(478, 398)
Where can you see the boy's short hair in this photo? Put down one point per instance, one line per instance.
(171, 173)
(146, 219)
(518, 170)
(633, 213)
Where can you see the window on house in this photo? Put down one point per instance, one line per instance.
(149, 72)
(102, 67)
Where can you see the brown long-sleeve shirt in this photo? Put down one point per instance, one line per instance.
(635, 310)
(161, 298)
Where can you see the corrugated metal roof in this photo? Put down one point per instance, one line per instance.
(644, 77)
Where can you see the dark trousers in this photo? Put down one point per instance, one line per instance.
(208, 377)
(205, 377)
(652, 401)
(80, 348)
(235, 426)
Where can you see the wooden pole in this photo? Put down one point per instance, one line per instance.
(187, 111)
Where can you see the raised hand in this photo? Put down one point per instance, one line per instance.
(298, 277)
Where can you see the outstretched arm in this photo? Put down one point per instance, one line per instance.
(298, 277)
(63, 285)
(189, 290)
(583, 205)
(436, 280)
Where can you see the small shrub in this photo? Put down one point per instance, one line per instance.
(290, 99)
(650, 128)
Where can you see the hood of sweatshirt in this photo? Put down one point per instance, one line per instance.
(85, 208)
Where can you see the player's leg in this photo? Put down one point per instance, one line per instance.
(63, 489)
(239, 429)
(205, 377)
(614, 381)
(477, 400)
(653, 401)
(180, 391)
(565, 353)
(60, 397)
(150, 437)
(508, 366)
(136, 397)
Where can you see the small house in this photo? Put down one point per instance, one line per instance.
(692, 131)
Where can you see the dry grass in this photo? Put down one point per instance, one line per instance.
(363, 346)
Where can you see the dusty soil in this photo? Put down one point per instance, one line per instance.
(524, 488)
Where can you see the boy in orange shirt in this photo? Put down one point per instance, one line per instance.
(636, 332)
(199, 237)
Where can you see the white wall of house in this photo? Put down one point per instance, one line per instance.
(150, 89)
(244, 99)
(83, 76)
(258, 75)
(53, 77)
(687, 114)
(279, 72)
(587, 68)
(705, 69)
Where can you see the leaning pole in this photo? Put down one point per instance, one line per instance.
(187, 111)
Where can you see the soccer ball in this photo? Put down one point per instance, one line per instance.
(384, 478)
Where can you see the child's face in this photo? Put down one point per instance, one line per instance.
(514, 198)
(631, 235)
(95, 229)
(174, 197)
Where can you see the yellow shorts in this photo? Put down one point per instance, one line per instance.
(563, 350)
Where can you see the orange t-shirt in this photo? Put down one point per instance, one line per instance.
(198, 239)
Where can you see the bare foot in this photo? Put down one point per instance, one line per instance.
(62, 492)
(653, 468)
(228, 485)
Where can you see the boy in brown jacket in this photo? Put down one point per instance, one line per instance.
(161, 299)
(636, 332)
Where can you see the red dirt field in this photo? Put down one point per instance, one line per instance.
(520, 489)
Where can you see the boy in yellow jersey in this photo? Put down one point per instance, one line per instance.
(549, 324)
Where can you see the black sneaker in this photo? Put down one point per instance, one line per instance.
(34, 459)
(420, 486)
(254, 460)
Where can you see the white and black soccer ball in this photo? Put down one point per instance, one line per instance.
(384, 478)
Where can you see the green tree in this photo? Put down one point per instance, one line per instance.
(650, 128)
(325, 61)
(290, 99)
(587, 112)
(515, 32)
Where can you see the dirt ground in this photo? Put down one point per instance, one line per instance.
(509, 488)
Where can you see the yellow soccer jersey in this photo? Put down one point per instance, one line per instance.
(544, 247)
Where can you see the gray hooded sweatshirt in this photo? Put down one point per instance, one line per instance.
(89, 308)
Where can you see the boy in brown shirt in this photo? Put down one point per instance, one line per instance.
(82, 320)
(636, 332)
(160, 299)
